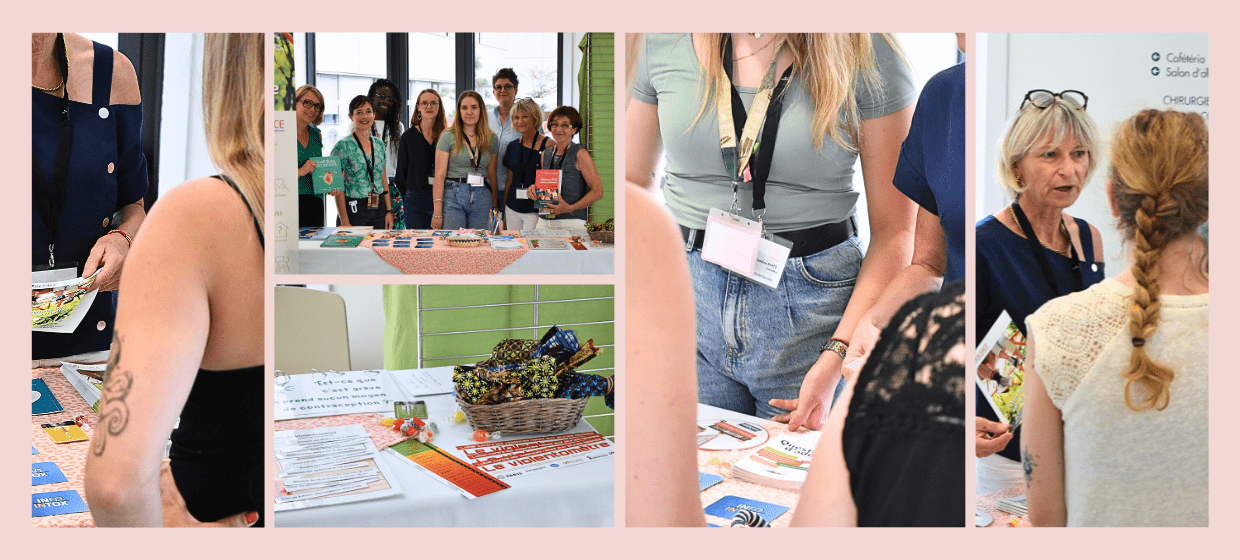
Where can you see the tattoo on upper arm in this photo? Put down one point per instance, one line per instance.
(1028, 464)
(113, 412)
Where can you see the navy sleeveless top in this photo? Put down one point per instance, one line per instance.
(106, 172)
(1008, 279)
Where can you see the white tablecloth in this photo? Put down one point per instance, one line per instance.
(579, 496)
(316, 259)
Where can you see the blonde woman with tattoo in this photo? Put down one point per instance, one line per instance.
(188, 342)
(1116, 402)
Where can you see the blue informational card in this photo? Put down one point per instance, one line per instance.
(42, 401)
(56, 503)
(33, 451)
(706, 480)
(727, 506)
(46, 473)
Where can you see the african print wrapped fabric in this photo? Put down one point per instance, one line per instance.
(510, 351)
(579, 385)
(559, 344)
(534, 379)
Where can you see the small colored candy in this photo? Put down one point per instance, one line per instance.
(417, 421)
(481, 435)
(425, 436)
(386, 422)
(458, 417)
(398, 423)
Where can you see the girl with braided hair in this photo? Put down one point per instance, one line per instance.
(1116, 392)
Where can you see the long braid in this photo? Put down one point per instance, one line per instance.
(1160, 183)
(1144, 310)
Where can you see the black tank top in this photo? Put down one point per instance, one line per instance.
(217, 449)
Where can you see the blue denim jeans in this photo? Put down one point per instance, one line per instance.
(755, 343)
(465, 206)
(419, 208)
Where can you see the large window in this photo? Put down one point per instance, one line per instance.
(345, 64)
(531, 55)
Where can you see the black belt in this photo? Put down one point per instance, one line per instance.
(464, 181)
(804, 242)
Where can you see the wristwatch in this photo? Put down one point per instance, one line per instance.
(835, 345)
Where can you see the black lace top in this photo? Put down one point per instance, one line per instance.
(904, 437)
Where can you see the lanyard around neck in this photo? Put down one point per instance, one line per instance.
(559, 164)
(475, 155)
(49, 197)
(737, 142)
(370, 161)
(1044, 263)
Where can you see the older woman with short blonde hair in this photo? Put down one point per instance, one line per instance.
(1032, 251)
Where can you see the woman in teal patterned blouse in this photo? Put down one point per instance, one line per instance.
(364, 200)
(309, 107)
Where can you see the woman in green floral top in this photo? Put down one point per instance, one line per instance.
(309, 144)
(364, 200)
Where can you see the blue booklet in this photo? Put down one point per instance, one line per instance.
(56, 503)
(46, 473)
(42, 401)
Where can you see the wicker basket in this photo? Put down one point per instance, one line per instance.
(524, 417)
(608, 237)
(464, 241)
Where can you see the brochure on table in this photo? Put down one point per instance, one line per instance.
(90, 388)
(422, 382)
(328, 466)
(1000, 373)
(782, 463)
(333, 393)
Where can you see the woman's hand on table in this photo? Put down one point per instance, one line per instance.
(810, 408)
(177, 515)
(437, 222)
(388, 220)
(990, 436)
(306, 169)
(108, 257)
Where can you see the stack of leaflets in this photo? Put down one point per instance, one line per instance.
(1018, 506)
(89, 387)
(549, 244)
(782, 463)
(42, 401)
(328, 466)
(1000, 362)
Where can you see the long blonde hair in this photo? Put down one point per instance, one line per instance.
(233, 110)
(829, 64)
(482, 129)
(1160, 182)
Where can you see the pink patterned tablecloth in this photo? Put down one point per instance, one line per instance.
(445, 259)
(70, 457)
(720, 463)
(986, 503)
(383, 436)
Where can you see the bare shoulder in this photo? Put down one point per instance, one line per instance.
(583, 156)
(200, 206)
(124, 81)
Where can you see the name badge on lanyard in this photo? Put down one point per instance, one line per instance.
(475, 157)
(733, 242)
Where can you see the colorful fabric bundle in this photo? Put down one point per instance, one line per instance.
(559, 344)
(510, 351)
(535, 379)
(524, 369)
(580, 385)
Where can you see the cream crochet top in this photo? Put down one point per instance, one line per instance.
(1126, 468)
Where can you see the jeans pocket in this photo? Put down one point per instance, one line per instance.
(835, 267)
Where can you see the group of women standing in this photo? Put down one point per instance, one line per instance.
(438, 176)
